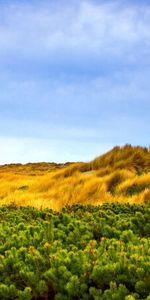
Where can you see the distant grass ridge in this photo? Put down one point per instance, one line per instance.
(126, 157)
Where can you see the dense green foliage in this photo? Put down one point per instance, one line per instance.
(82, 252)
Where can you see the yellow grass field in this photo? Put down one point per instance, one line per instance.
(122, 174)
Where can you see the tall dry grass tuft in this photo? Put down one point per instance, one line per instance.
(134, 185)
(117, 177)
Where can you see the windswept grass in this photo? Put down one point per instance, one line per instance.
(122, 175)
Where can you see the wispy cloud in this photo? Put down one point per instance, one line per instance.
(85, 29)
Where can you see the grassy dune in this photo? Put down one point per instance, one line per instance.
(121, 175)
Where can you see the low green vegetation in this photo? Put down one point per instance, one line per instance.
(81, 252)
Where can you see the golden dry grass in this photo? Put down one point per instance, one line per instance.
(122, 175)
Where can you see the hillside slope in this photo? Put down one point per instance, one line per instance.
(121, 175)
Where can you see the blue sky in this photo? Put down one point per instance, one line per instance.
(74, 78)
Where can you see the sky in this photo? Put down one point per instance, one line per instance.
(74, 78)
